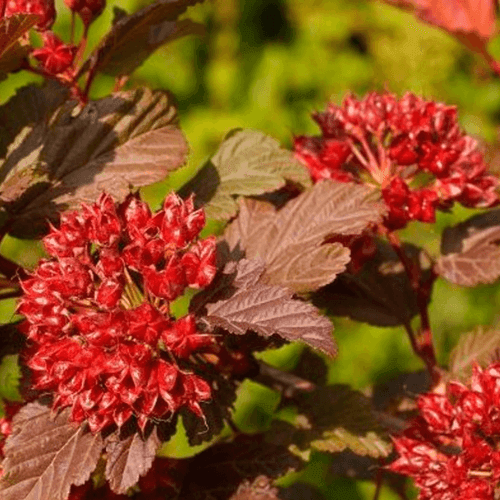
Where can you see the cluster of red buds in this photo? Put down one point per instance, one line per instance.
(413, 149)
(97, 312)
(451, 450)
(55, 58)
(44, 9)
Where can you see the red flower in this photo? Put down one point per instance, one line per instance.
(55, 56)
(88, 10)
(44, 9)
(399, 143)
(451, 449)
(97, 312)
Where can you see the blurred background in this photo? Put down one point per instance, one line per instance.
(267, 64)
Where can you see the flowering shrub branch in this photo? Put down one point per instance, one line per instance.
(104, 373)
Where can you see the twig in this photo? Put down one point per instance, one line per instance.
(423, 345)
(379, 480)
(287, 383)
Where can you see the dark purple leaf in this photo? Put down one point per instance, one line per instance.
(379, 294)
(218, 472)
(311, 366)
(133, 38)
(300, 491)
(268, 310)
(129, 458)
(71, 155)
(45, 455)
(471, 251)
(291, 241)
(216, 411)
(29, 105)
(335, 418)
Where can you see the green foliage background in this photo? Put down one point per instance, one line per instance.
(266, 64)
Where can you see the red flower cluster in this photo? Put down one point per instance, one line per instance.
(452, 449)
(43, 8)
(98, 311)
(400, 142)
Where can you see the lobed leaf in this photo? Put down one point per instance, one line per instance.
(268, 310)
(291, 241)
(471, 251)
(247, 163)
(133, 38)
(481, 346)
(335, 418)
(45, 455)
(66, 155)
(129, 458)
(380, 293)
(471, 21)
(13, 47)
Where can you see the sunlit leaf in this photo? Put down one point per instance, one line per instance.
(45, 455)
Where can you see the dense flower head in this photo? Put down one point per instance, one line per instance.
(451, 450)
(412, 148)
(44, 9)
(97, 311)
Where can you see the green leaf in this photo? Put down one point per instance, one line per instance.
(70, 155)
(133, 38)
(247, 163)
(10, 374)
(13, 47)
(481, 346)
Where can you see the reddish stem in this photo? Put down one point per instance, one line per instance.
(82, 45)
(379, 480)
(70, 83)
(423, 345)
